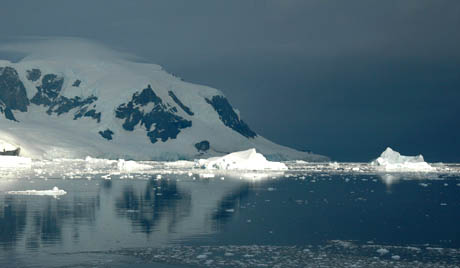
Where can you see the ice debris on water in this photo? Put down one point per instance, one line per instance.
(332, 254)
(382, 251)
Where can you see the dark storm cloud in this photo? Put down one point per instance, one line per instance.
(343, 78)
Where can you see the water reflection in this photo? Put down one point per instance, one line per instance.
(145, 208)
(230, 204)
(162, 210)
(179, 208)
(13, 220)
(99, 215)
(390, 179)
(41, 220)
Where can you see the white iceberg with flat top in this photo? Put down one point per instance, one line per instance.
(393, 161)
(243, 160)
(53, 192)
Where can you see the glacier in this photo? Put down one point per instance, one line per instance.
(70, 102)
(393, 161)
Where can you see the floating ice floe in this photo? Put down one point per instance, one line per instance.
(393, 161)
(244, 160)
(120, 165)
(53, 192)
(14, 161)
(131, 166)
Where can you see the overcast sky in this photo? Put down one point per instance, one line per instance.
(342, 78)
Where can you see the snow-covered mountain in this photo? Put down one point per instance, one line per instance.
(73, 106)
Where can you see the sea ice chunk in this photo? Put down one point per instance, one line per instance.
(243, 160)
(53, 192)
(393, 161)
(131, 166)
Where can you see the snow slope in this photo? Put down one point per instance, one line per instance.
(393, 161)
(75, 104)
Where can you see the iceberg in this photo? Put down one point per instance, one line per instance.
(131, 166)
(53, 192)
(243, 160)
(14, 162)
(393, 161)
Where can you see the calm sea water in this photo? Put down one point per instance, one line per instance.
(299, 219)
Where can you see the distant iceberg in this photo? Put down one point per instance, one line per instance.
(131, 166)
(393, 161)
(243, 160)
(53, 192)
(122, 165)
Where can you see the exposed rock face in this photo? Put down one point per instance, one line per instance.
(6, 111)
(106, 134)
(181, 105)
(84, 112)
(34, 74)
(202, 146)
(48, 95)
(229, 117)
(48, 91)
(12, 92)
(76, 83)
(147, 109)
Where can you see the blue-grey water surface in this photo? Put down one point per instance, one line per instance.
(300, 220)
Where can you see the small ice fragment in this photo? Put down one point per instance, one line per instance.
(202, 256)
(207, 175)
(382, 251)
(443, 204)
(423, 184)
(159, 176)
(396, 257)
(270, 189)
(228, 254)
(231, 210)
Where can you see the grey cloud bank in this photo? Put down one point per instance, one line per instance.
(342, 78)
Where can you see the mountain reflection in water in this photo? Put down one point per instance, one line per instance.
(165, 210)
